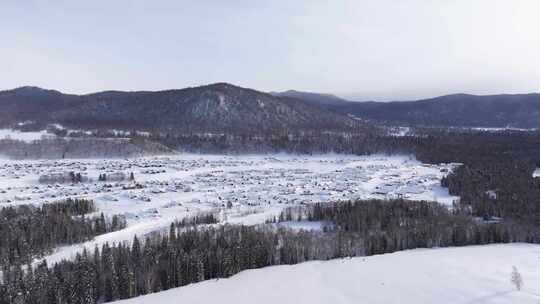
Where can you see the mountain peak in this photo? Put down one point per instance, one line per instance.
(32, 91)
(30, 88)
(222, 86)
(321, 99)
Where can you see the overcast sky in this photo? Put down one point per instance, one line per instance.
(378, 49)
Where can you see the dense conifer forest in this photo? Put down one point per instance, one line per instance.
(188, 255)
(428, 145)
(27, 231)
(199, 219)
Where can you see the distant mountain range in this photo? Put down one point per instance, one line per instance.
(458, 110)
(222, 108)
(219, 107)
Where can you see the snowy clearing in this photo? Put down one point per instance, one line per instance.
(23, 136)
(465, 275)
(243, 189)
(488, 129)
(398, 131)
(305, 225)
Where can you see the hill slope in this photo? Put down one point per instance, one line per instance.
(475, 274)
(457, 110)
(521, 111)
(218, 107)
(325, 100)
(32, 103)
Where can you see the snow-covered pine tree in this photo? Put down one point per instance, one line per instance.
(516, 278)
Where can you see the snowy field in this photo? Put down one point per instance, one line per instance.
(465, 275)
(242, 189)
(23, 136)
(30, 136)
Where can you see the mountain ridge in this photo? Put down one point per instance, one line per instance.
(321, 99)
(453, 110)
(224, 107)
(219, 107)
(456, 110)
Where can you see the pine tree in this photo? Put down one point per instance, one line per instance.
(98, 284)
(85, 279)
(172, 233)
(109, 272)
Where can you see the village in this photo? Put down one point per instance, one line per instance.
(133, 186)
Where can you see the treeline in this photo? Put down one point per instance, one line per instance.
(89, 147)
(28, 232)
(184, 256)
(445, 146)
(159, 263)
(198, 219)
(355, 142)
(428, 144)
(499, 189)
(392, 225)
(496, 175)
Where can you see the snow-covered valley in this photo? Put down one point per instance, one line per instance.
(465, 275)
(241, 189)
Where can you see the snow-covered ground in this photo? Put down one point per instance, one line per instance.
(465, 275)
(398, 131)
(23, 136)
(29, 136)
(488, 129)
(305, 225)
(243, 189)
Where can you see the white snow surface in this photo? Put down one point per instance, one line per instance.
(465, 275)
(488, 129)
(256, 187)
(305, 225)
(23, 136)
(398, 131)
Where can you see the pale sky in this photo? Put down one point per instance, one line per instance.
(380, 49)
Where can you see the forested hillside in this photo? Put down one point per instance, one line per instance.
(458, 110)
(216, 108)
(28, 232)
